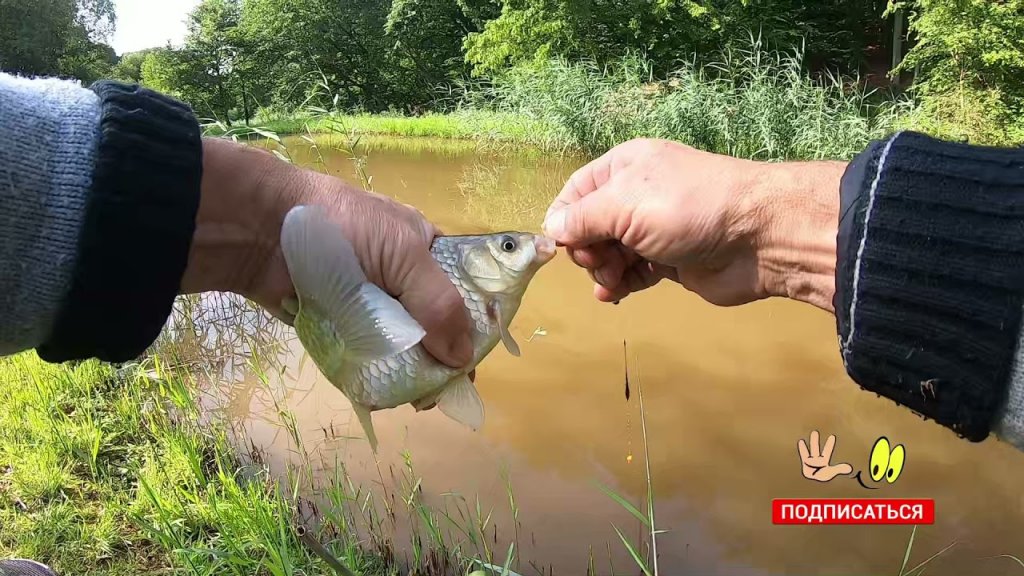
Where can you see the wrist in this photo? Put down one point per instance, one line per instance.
(245, 195)
(797, 204)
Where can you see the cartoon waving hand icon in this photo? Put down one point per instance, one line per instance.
(816, 464)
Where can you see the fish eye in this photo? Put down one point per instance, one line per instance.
(880, 457)
(508, 244)
(899, 455)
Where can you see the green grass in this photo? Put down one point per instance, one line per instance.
(483, 126)
(108, 471)
(753, 104)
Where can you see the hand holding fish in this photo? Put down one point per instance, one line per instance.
(236, 247)
(731, 230)
(366, 343)
(391, 311)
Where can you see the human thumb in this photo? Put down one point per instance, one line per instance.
(433, 301)
(592, 218)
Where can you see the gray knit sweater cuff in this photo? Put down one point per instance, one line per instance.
(1009, 426)
(48, 140)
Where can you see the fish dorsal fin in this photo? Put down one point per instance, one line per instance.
(460, 401)
(499, 319)
(325, 270)
(363, 413)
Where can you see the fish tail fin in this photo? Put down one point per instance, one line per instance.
(460, 401)
(325, 270)
(366, 421)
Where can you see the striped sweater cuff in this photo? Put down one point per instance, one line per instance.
(930, 275)
(138, 227)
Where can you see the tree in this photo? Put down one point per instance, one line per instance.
(56, 37)
(32, 35)
(968, 60)
(427, 37)
(128, 67)
(325, 52)
(978, 43)
(84, 59)
(831, 31)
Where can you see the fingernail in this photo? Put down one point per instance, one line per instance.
(554, 223)
(601, 277)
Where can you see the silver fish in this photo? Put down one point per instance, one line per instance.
(365, 342)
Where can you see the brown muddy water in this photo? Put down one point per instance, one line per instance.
(728, 392)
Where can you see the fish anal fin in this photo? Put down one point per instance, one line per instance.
(460, 401)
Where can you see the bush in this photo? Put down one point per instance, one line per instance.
(752, 103)
(969, 60)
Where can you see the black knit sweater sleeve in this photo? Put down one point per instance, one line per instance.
(138, 227)
(930, 276)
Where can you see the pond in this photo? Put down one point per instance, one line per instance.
(727, 394)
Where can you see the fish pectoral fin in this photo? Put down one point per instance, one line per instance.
(378, 325)
(325, 270)
(460, 401)
(363, 413)
(506, 336)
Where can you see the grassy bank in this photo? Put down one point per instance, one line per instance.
(110, 471)
(107, 471)
(485, 127)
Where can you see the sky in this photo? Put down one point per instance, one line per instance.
(149, 23)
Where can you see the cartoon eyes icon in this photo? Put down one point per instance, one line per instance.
(885, 462)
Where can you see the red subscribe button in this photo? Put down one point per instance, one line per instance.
(853, 511)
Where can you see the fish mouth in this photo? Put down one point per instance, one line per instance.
(545, 248)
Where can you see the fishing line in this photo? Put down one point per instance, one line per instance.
(629, 437)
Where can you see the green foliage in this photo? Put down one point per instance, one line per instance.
(56, 38)
(667, 30)
(428, 35)
(970, 58)
(31, 35)
(752, 103)
(129, 66)
(536, 30)
(246, 59)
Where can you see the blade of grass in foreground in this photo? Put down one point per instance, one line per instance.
(919, 569)
(1009, 556)
(625, 504)
(632, 551)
